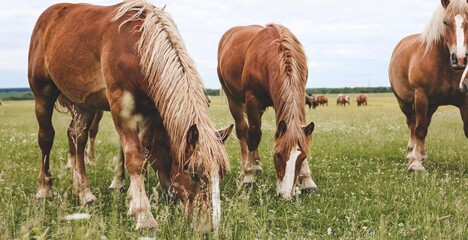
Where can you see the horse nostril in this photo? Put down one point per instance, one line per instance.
(454, 59)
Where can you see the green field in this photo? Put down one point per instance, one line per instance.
(357, 162)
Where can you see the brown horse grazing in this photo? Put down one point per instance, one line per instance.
(310, 101)
(425, 71)
(130, 59)
(342, 100)
(260, 67)
(321, 100)
(361, 99)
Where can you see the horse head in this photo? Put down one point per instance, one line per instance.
(291, 149)
(197, 185)
(456, 31)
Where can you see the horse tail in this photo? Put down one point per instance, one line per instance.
(63, 104)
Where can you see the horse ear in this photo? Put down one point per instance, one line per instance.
(309, 129)
(223, 134)
(445, 3)
(192, 136)
(281, 129)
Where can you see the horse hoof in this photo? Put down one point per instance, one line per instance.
(248, 179)
(309, 190)
(146, 223)
(117, 184)
(416, 168)
(258, 171)
(87, 198)
(44, 193)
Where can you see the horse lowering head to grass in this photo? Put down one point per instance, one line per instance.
(425, 72)
(260, 67)
(128, 58)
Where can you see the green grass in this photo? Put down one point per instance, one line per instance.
(357, 162)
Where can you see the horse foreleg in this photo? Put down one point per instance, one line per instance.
(305, 178)
(77, 137)
(237, 111)
(44, 107)
(118, 182)
(126, 122)
(423, 115)
(464, 115)
(254, 135)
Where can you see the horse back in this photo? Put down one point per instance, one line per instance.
(73, 45)
(232, 51)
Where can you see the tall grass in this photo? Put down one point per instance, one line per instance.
(357, 162)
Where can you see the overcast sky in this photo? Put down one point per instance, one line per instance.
(348, 43)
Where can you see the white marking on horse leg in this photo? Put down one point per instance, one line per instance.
(216, 200)
(248, 168)
(460, 34)
(307, 183)
(118, 182)
(415, 159)
(127, 113)
(139, 203)
(284, 187)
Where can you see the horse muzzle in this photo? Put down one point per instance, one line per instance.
(458, 62)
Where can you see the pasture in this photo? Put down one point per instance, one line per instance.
(357, 161)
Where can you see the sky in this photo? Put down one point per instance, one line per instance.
(347, 43)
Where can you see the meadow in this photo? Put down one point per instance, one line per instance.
(357, 160)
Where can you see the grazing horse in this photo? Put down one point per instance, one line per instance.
(425, 70)
(208, 100)
(321, 100)
(342, 100)
(260, 67)
(361, 100)
(310, 101)
(128, 58)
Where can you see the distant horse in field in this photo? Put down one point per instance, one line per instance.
(260, 67)
(425, 71)
(342, 100)
(310, 101)
(128, 58)
(321, 100)
(361, 100)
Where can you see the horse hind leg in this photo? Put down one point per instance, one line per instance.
(464, 115)
(45, 98)
(77, 137)
(93, 130)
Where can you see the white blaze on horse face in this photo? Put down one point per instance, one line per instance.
(460, 34)
(284, 188)
(216, 200)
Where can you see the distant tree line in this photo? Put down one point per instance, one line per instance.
(26, 94)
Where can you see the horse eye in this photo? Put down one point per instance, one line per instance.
(195, 177)
(446, 23)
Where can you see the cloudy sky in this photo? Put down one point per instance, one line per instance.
(348, 43)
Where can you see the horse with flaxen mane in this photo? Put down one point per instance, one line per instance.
(321, 100)
(128, 58)
(361, 100)
(425, 70)
(260, 67)
(342, 100)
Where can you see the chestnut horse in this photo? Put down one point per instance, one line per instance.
(260, 67)
(128, 58)
(361, 99)
(321, 100)
(342, 100)
(425, 70)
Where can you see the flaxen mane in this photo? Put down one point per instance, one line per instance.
(172, 77)
(293, 76)
(435, 29)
